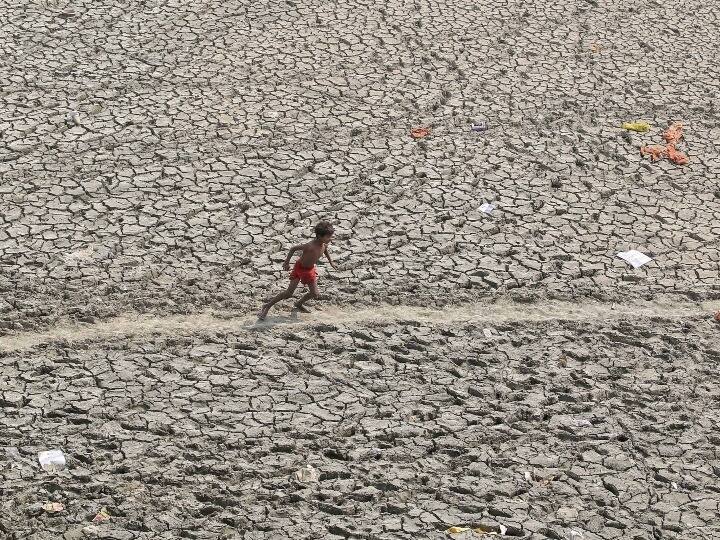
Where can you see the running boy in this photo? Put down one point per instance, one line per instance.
(304, 270)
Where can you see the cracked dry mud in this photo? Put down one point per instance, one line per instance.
(137, 237)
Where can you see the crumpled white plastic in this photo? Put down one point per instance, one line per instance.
(52, 460)
(634, 257)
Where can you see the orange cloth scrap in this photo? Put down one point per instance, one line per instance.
(672, 136)
(420, 132)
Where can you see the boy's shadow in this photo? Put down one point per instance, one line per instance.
(273, 321)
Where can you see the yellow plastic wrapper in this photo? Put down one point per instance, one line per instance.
(457, 530)
(640, 127)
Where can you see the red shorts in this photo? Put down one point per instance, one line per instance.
(305, 275)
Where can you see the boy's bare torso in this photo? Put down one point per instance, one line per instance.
(311, 253)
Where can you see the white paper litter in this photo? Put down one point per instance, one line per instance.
(307, 474)
(634, 257)
(488, 332)
(52, 460)
(73, 117)
(503, 530)
(487, 207)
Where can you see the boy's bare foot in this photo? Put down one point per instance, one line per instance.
(302, 309)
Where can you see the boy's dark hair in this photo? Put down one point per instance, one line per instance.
(323, 228)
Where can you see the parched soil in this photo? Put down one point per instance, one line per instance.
(503, 371)
(608, 427)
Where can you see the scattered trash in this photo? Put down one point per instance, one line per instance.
(674, 485)
(307, 474)
(457, 530)
(676, 157)
(717, 316)
(640, 127)
(480, 126)
(574, 534)
(596, 47)
(672, 137)
(549, 479)
(52, 507)
(486, 530)
(487, 208)
(528, 476)
(419, 133)
(52, 460)
(102, 515)
(655, 152)
(73, 117)
(489, 332)
(674, 133)
(634, 257)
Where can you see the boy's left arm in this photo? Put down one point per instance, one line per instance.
(327, 254)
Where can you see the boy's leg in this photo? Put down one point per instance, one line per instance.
(281, 296)
(310, 295)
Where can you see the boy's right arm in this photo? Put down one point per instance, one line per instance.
(286, 264)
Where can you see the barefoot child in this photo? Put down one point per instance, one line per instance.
(304, 270)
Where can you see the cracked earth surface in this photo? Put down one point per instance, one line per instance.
(212, 135)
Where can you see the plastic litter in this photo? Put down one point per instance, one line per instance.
(528, 476)
(634, 257)
(487, 208)
(717, 316)
(676, 157)
(672, 137)
(654, 151)
(574, 534)
(73, 117)
(102, 515)
(489, 333)
(52, 507)
(480, 126)
(486, 530)
(307, 474)
(52, 460)
(640, 127)
(674, 133)
(457, 530)
(420, 132)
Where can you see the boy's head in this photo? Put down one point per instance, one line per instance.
(324, 231)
